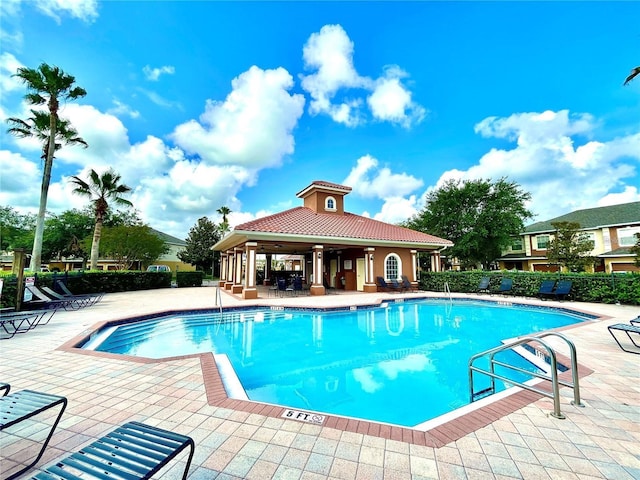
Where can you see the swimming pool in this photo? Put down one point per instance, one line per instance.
(401, 363)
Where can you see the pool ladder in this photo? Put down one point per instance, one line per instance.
(447, 291)
(219, 298)
(553, 377)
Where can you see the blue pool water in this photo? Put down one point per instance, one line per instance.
(402, 363)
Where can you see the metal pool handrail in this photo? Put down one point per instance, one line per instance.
(555, 381)
(218, 299)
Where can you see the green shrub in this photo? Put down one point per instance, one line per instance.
(91, 282)
(189, 279)
(586, 287)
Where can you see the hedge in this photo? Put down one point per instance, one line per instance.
(90, 282)
(586, 287)
(189, 279)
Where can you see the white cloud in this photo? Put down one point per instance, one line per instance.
(20, 180)
(369, 181)
(250, 130)
(8, 67)
(122, 110)
(549, 161)
(153, 74)
(628, 195)
(85, 10)
(160, 100)
(391, 101)
(398, 209)
(253, 127)
(330, 54)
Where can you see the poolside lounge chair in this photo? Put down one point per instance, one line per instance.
(20, 322)
(546, 288)
(44, 301)
(396, 286)
(382, 284)
(132, 451)
(483, 286)
(81, 300)
(407, 285)
(4, 388)
(563, 289)
(505, 286)
(67, 293)
(23, 405)
(628, 329)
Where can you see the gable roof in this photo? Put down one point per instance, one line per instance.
(590, 218)
(302, 224)
(168, 238)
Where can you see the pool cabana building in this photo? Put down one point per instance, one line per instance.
(337, 248)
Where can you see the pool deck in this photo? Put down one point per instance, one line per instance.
(244, 440)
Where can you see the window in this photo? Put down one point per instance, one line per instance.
(627, 236)
(330, 204)
(542, 242)
(392, 267)
(517, 245)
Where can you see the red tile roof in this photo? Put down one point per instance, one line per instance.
(305, 222)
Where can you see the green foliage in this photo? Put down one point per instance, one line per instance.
(189, 279)
(63, 234)
(202, 236)
(570, 248)
(127, 244)
(586, 287)
(91, 282)
(478, 216)
(224, 225)
(16, 230)
(636, 250)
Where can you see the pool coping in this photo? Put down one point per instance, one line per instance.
(486, 411)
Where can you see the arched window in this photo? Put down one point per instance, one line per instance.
(330, 204)
(392, 267)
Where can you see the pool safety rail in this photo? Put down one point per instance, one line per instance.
(552, 376)
(218, 297)
(447, 291)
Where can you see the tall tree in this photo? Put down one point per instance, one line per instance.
(101, 189)
(224, 226)
(570, 248)
(128, 244)
(202, 236)
(479, 216)
(16, 230)
(64, 234)
(635, 250)
(47, 85)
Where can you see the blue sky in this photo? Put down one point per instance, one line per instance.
(203, 104)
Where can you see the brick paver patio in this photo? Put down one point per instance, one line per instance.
(244, 440)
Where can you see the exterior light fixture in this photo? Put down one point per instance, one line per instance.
(319, 254)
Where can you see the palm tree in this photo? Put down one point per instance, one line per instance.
(38, 126)
(634, 73)
(224, 226)
(101, 189)
(47, 85)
